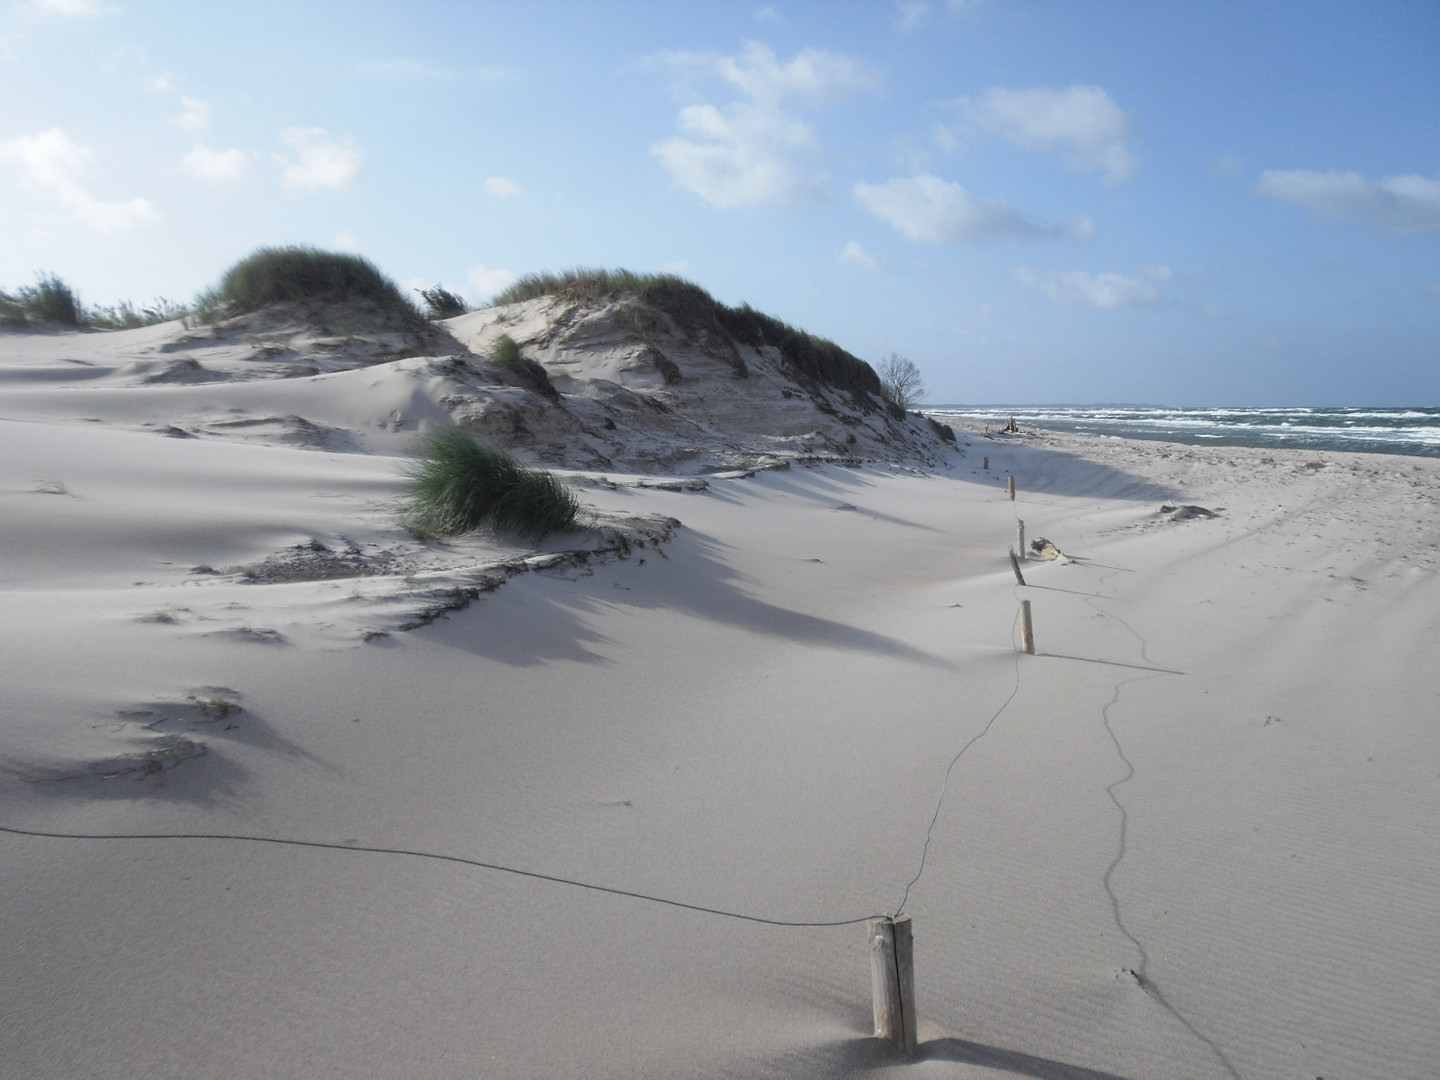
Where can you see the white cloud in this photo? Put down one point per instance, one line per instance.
(768, 14)
(321, 163)
(912, 13)
(853, 252)
(347, 240)
(1397, 204)
(216, 166)
(502, 188)
(485, 282)
(930, 209)
(746, 160)
(750, 153)
(51, 159)
(194, 117)
(944, 137)
(113, 216)
(1107, 291)
(65, 9)
(815, 76)
(1082, 121)
(53, 163)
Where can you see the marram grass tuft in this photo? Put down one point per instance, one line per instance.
(458, 485)
(304, 274)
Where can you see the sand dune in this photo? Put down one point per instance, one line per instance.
(1191, 837)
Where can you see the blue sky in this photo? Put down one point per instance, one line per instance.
(1206, 203)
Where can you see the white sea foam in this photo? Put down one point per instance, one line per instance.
(1367, 430)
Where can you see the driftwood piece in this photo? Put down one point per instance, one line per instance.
(1045, 549)
(1184, 513)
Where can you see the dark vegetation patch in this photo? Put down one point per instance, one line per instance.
(458, 485)
(530, 374)
(945, 431)
(126, 316)
(307, 275)
(441, 303)
(669, 370)
(810, 359)
(273, 275)
(48, 301)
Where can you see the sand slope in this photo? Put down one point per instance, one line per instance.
(1192, 837)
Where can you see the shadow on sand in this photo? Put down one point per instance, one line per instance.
(865, 1054)
(690, 578)
(1047, 471)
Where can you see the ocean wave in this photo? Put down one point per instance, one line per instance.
(1411, 430)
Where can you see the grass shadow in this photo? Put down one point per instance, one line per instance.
(534, 625)
(822, 485)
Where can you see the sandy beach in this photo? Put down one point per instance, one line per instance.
(246, 808)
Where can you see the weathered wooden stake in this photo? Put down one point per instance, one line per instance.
(987, 464)
(1020, 536)
(1010, 487)
(1027, 631)
(892, 980)
(1015, 565)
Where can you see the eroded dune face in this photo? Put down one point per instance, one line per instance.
(613, 385)
(637, 391)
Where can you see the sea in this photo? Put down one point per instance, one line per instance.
(1361, 430)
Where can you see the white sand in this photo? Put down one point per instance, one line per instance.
(1196, 837)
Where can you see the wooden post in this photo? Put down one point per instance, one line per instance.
(1027, 631)
(987, 464)
(1015, 565)
(1020, 536)
(1010, 487)
(892, 980)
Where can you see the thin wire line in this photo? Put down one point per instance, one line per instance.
(439, 858)
(924, 852)
(1141, 976)
(945, 784)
